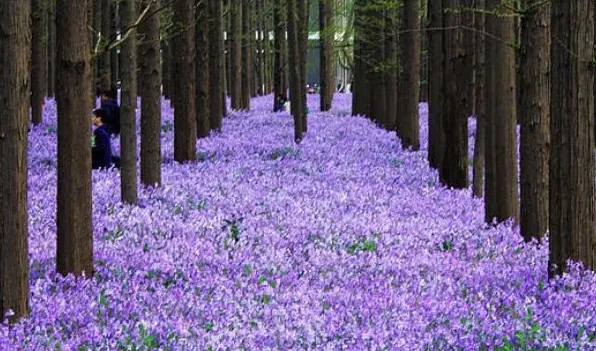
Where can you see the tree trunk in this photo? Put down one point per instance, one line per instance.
(454, 167)
(247, 54)
(391, 97)
(114, 25)
(150, 75)
(185, 123)
(535, 120)
(571, 169)
(407, 123)
(15, 55)
(280, 47)
(51, 74)
(361, 85)
(501, 118)
(294, 65)
(216, 69)
(236, 32)
(436, 136)
(39, 52)
(105, 70)
(128, 98)
(167, 57)
(479, 71)
(326, 57)
(303, 12)
(75, 230)
(202, 70)
(97, 39)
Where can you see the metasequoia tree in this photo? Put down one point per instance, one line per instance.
(216, 67)
(391, 64)
(73, 80)
(202, 70)
(236, 54)
(280, 67)
(247, 54)
(38, 58)
(15, 54)
(571, 168)
(436, 137)
(479, 104)
(295, 56)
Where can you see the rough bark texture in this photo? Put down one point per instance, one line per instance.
(202, 70)
(150, 76)
(303, 12)
(247, 54)
(38, 59)
(216, 68)
(128, 120)
(15, 55)
(75, 231)
(294, 65)
(479, 106)
(280, 48)
(571, 169)
(326, 57)
(408, 126)
(535, 120)
(391, 97)
(501, 118)
(51, 74)
(436, 137)
(185, 124)
(236, 33)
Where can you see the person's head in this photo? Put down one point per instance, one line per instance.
(108, 94)
(99, 117)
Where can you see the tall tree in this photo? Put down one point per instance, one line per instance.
(361, 82)
(51, 73)
(535, 118)
(247, 54)
(15, 55)
(571, 168)
(280, 48)
(128, 119)
(408, 126)
(114, 27)
(294, 57)
(391, 64)
(501, 136)
(436, 136)
(479, 106)
(185, 125)
(202, 70)
(105, 68)
(75, 231)
(150, 76)
(236, 34)
(303, 7)
(216, 68)
(38, 59)
(326, 68)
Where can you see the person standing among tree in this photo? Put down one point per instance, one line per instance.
(109, 104)
(101, 148)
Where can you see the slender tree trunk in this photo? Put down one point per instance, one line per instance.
(407, 123)
(75, 231)
(361, 85)
(247, 54)
(216, 68)
(166, 49)
(327, 37)
(479, 71)
(150, 76)
(202, 70)
(467, 57)
(502, 116)
(185, 121)
(15, 55)
(114, 25)
(51, 76)
(105, 70)
(236, 88)
(280, 47)
(454, 167)
(436, 136)
(571, 168)
(128, 120)
(229, 46)
(303, 11)
(294, 57)
(535, 120)
(391, 97)
(38, 79)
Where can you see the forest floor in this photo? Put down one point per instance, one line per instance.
(345, 241)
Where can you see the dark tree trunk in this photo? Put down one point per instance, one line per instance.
(236, 33)
(15, 55)
(128, 120)
(535, 120)
(105, 69)
(97, 40)
(408, 126)
(185, 124)
(229, 46)
(39, 52)
(391, 97)
(479, 83)
(216, 69)
(501, 118)
(258, 81)
(361, 85)
(202, 70)
(247, 54)
(150, 76)
(467, 59)
(303, 11)
(166, 49)
(454, 167)
(280, 47)
(51, 74)
(374, 57)
(436, 135)
(75, 230)
(327, 37)
(114, 25)
(294, 65)
(571, 169)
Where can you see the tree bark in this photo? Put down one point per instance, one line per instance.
(247, 54)
(571, 168)
(326, 56)
(105, 70)
(15, 56)
(128, 120)
(294, 65)
(202, 70)
(391, 97)
(216, 68)
(361, 86)
(236, 32)
(501, 116)
(408, 122)
(535, 120)
(150, 75)
(303, 8)
(51, 74)
(38, 59)
(280, 48)
(185, 121)
(436, 136)
(114, 25)
(75, 230)
(480, 111)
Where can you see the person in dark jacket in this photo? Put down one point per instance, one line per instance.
(101, 147)
(109, 104)
(280, 102)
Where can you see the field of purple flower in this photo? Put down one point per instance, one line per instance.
(343, 242)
